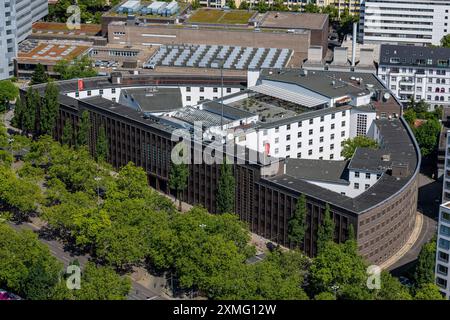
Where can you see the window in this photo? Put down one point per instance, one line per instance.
(366, 186)
(228, 90)
(444, 230)
(310, 152)
(321, 129)
(299, 144)
(322, 118)
(356, 185)
(333, 116)
(442, 256)
(299, 124)
(188, 98)
(77, 94)
(277, 140)
(276, 150)
(378, 176)
(113, 99)
(356, 174)
(265, 132)
(321, 149)
(393, 87)
(310, 131)
(311, 121)
(444, 244)
(188, 89)
(331, 156)
(419, 80)
(299, 135)
(215, 90)
(202, 89)
(277, 129)
(288, 148)
(367, 175)
(288, 137)
(441, 282)
(288, 127)
(332, 126)
(299, 155)
(442, 269)
(343, 123)
(101, 91)
(332, 136)
(332, 146)
(310, 142)
(321, 139)
(89, 92)
(113, 90)
(446, 216)
(343, 113)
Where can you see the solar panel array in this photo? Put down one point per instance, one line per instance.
(212, 56)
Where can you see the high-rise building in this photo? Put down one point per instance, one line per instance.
(415, 22)
(16, 18)
(443, 241)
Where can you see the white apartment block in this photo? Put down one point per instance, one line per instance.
(416, 72)
(16, 18)
(412, 22)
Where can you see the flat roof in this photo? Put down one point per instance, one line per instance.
(56, 27)
(153, 99)
(220, 16)
(294, 20)
(49, 52)
(318, 170)
(330, 84)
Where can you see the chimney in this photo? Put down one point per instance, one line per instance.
(354, 44)
(366, 57)
(340, 56)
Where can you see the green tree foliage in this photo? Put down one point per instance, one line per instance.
(78, 68)
(428, 291)
(325, 232)
(350, 145)
(178, 178)
(101, 149)
(49, 109)
(325, 296)
(225, 195)
(102, 283)
(83, 130)
(297, 223)
(91, 10)
(262, 6)
(244, 5)
(26, 266)
(445, 41)
(8, 92)
(231, 4)
(426, 262)
(195, 4)
(67, 136)
(391, 289)
(39, 75)
(311, 8)
(346, 23)
(332, 12)
(427, 136)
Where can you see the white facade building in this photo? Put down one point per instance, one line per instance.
(416, 72)
(16, 18)
(416, 22)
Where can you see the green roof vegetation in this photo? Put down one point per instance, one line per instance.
(220, 16)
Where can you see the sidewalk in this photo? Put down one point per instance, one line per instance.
(408, 245)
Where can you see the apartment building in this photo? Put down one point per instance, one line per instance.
(412, 22)
(16, 18)
(422, 73)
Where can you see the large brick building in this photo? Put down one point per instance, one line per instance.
(267, 190)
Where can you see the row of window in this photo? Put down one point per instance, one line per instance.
(202, 89)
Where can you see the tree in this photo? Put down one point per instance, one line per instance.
(350, 145)
(426, 262)
(231, 4)
(49, 109)
(244, 5)
(78, 68)
(445, 41)
(101, 151)
(226, 189)
(67, 136)
(297, 223)
(427, 136)
(195, 4)
(428, 291)
(84, 129)
(325, 296)
(332, 12)
(346, 23)
(311, 8)
(325, 232)
(18, 119)
(178, 178)
(262, 6)
(102, 283)
(39, 75)
(8, 92)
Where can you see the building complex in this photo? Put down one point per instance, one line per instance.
(283, 129)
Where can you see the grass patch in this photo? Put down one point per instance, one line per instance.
(220, 17)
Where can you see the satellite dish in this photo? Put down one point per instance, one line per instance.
(386, 95)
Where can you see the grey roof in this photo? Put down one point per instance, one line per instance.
(368, 159)
(321, 82)
(414, 56)
(318, 170)
(154, 99)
